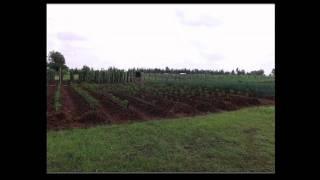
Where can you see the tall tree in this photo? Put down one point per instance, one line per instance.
(57, 62)
(57, 59)
(167, 69)
(257, 72)
(273, 72)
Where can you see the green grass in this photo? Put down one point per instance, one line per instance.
(238, 141)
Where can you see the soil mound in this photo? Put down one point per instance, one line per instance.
(93, 117)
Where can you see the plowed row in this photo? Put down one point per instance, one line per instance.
(75, 111)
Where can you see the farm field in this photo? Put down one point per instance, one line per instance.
(86, 104)
(169, 88)
(161, 124)
(235, 141)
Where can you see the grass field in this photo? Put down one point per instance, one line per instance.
(236, 141)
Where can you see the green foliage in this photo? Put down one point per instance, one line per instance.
(109, 76)
(257, 73)
(109, 89)
(56, 60)
(66, 76)
(57, 99)
(50, 74)
(273, 72)
(122, 103)
(93, 103)
(258, 85)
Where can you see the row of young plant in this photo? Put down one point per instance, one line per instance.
(152, 94)
(90, 100)
(133, 89)
(171, 91)
(57, 100)
(258, 87)
(103, 90)
(168, 92)
(158, 91)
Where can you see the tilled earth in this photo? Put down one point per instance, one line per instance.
(75, 112)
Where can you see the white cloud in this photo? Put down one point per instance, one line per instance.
(203, 20)
(156, 36)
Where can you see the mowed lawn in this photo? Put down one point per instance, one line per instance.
(237, 141)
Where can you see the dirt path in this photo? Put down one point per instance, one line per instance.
(117, 113)
(70, 108)
(149, 111)
(171, 107)
(141, 114)
(50, 95)
(266, 101)
(73, 106)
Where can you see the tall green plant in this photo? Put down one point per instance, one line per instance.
(57, 99)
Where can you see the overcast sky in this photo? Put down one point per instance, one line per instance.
(210, 36)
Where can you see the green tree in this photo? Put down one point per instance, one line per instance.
(56, 59)
(57, 62)
(85, 72)
(167, 69)
(257, 72)
(273, 72)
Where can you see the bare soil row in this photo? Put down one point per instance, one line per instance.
(76, 112)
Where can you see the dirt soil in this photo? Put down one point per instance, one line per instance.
(116, 112)
(76, 113)
(50, 95)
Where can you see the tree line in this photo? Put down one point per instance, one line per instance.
(237, 71)
(56, 62)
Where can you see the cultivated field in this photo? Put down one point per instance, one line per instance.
(172, 88)
(162, 123)
(84, 104)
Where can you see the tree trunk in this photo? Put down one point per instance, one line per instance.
(60, 79)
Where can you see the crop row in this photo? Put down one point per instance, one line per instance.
(92, 102)
(102, 90)
(57, 99)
